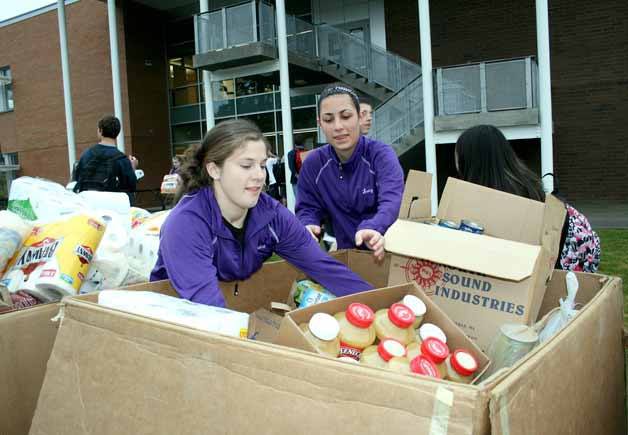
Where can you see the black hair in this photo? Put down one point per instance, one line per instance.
(484, 156)
(109, 126)
(339, 89)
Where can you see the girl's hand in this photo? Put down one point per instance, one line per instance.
(374, 241)
(314, 230)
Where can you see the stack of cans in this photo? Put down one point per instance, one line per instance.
(465, 225)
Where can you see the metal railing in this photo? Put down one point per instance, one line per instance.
(486, 86)
(399, 115)
(255, 21)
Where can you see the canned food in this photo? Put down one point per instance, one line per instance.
(448, 224)
(471, 227)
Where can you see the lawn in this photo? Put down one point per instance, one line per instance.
(614, 259)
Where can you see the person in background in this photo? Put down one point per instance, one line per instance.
(354, 181)
(224, 227)
(295, 160)
(366, 117)
(273, 186)
(176, 164)
(484, 156)
(103, 167)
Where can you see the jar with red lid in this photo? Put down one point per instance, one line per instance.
(395, 322)
(437, 351)
(356, 329)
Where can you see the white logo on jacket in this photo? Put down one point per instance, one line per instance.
(366, 191)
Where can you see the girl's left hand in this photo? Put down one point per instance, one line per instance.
(374, 241)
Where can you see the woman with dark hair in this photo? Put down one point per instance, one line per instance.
(354, 181)
(484, 156)
(223, 227)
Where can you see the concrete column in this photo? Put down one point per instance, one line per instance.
(207, 77)
(545, 93)
(115, 70)
(284, 87)
(428, 97)
(67, 85)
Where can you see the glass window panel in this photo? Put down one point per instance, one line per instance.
(181, 75)
(185, 114)
(210, 32)
(186, 132)
(255, 103)
(224, 108)
(185, 96)
(303, 100)
(265, 121)
(304, 118)
(256, 84)
(223, 89)
(461, 90)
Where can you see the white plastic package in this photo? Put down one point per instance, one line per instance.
(13, 231)
(558, 318)
(181, 311)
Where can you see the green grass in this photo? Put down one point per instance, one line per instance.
(614, 260)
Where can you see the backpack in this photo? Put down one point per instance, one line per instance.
(99, 173)
(279, 171)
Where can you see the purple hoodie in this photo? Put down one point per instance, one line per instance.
(196, 249)
(362, 193)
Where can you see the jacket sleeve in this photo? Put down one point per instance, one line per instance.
(187, 252)
(128, 180)
(309, 206)
(389, 190)
(299, 248)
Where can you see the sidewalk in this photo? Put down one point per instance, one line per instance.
(604, 213)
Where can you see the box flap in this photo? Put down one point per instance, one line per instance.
(416, 201)
(502, 214)
(553, 220)
(499, 258)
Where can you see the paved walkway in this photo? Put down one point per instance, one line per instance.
(604, 214)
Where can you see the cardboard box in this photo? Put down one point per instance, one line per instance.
(481, 281)
(290, 334)
(26, 339)
(112, 372)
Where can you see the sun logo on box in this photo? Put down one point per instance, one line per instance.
(425, 273)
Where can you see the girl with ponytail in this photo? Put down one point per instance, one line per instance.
(224, 227)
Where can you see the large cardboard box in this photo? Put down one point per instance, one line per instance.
(26, 339)
(481, 281)
(112, 372)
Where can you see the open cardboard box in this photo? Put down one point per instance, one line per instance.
(113, 372)
(290, 334)
(480, 281)
(26, 339)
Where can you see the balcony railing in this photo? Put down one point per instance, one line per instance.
(253, 21)
(486, 86)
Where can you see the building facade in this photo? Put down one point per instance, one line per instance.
(483, 54)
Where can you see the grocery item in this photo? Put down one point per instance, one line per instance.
(395, 322)
(313, 296)
(13, 230)
(461, 366)
(379, 355)
(418, 308)
(430, 330)
(55, 258)
(322, 331)
(413, 350)
(448, 224)
(356, 329)
(399, 365)
(437, 351)
(176, 310)
(512, 342)
(422, 365)
(471, 227)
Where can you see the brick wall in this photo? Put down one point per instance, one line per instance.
(589, 56)
(31, 48)
(147, 90)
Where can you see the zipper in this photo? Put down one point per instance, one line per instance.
(340, 169)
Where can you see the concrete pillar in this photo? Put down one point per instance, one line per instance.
(428, 97)
(545, 94)
(115, 70)
(284, 86)
(207, 79)
(67, 85)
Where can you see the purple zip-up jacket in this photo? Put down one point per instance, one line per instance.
(196, 249)
(362, 193)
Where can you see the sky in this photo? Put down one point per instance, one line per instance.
(12, 8)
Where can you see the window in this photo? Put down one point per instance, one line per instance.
(6, 90)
